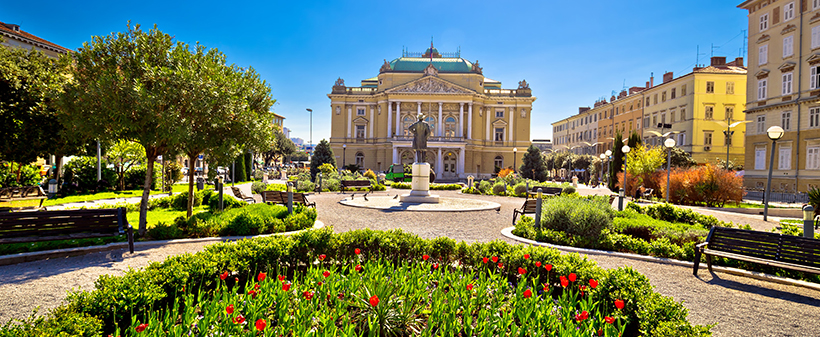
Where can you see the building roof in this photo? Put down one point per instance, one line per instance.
(13, 30)
(443, 64)
(723, 69)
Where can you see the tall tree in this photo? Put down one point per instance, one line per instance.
(321, 155)
(617, 160)
(121, 89)
(125, 155)
(281, 147)
(533, 166)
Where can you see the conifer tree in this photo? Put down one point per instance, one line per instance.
(533, 167)
(321, 155)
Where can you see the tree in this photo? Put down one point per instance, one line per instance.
(282, 147)
(123, 88)
(533, 166)
(681, 158)
(321, 154)
(617, 160)
(125, 155)
(299, 156)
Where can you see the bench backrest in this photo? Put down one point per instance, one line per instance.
(300, 198)
(530, 205)
(22, 192)
(17, 226)
(274, 197)
(766, 245)
(355, 183)
(547, 189)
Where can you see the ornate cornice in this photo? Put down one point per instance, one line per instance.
(430, 85)
(787, 67)
(763, 73)
(788, 29)
(763, 38)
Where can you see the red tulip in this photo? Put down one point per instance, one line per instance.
(500, 265)
(564, 282)
(341, 296)
(425, 257)
(619, 304)
(538, 264)
(609, 320)
(374, 300)
(495, 259)
(593, 283)
(223, 276)
(261, 277)
(435, 265)
(582, 316)
(322, 257)
(308, 295)
(357, 251)
(285, 286)
(253, 293)
(548, 267)
(320, 283)
(281, 278)
(236, 279)
(572, 277)
(239, 319)
(527, 293)
(141, 327)
(521, 271)
(546, 286)
(261, 324)
(229, 309)
(358, 268)
(326, 274)
(526, 256)
(484, 259)
(256, 286)
(470, 287)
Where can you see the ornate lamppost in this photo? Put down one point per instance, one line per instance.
(774, 133)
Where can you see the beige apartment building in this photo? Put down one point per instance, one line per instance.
(784, 90)
(14, 37)
(477, 125)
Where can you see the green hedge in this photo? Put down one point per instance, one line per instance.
(433, 186)
(119, 300)
(249, 220)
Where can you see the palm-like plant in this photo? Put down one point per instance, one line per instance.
(814, 199)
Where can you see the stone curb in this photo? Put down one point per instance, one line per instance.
(507, 232)
(66, 252)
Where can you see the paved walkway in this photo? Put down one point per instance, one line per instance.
(741, 306)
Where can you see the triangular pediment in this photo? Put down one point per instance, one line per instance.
(813, 59)
(787, 66)
(360, 120)
(500, 122)
(763, 73)
(430, 85)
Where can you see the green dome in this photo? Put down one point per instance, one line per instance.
(417, 64)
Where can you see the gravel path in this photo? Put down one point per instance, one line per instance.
(741, 306)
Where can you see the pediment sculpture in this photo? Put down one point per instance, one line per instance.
(385, 67)
(476, 68)
(339, 82)
(430, 70)
(430, 85)
(523, 85)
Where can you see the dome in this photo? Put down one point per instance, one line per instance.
(443, 64)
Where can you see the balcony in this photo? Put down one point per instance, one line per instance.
(508, 92)
(354, 90)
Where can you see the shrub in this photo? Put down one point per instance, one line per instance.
(369, 174)
(577, 216)
(470, 190)
(500, 188)
(520, 190)
(305, 185)
(173, 173)
(258, 175)
(258, 187)
(82, 173)
(445, 187)
(135, 178)
(401, 186)
(569, 189)
(276, 187)
(484, 186)
(503, 173)
(708, 184)
(29, 175)
(163, 231)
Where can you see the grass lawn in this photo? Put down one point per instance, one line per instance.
(166, 215)
(177, 188)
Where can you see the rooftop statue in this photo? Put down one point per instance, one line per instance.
(523, 85)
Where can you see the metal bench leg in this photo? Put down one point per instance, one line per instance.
(515, 216)
(697, 262)
(131, 239)
(709, 262)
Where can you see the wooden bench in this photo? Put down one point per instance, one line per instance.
(528, 207)
(11, 194)
(281, 198)
(771, 249)
(237, 192)
(356, 183)
(545, 190)
(24, 227)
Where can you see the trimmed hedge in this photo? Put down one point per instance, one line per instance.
(433, 186)
(119, 300)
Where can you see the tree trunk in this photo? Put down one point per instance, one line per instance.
(19, 169)
(150, 152)
(191, 168)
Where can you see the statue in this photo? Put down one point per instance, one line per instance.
(430, 70)
(385, 67)
(523, 85)
(339, 82)
(421, 131)
(476, 68)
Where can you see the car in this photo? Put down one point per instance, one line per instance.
(396, 173)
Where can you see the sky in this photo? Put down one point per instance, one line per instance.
(571, 52)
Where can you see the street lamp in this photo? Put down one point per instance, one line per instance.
(311, 129)
(728, 133)
(515, 152)
(625, 150)
(669, 143)
(774, 133)
(608, 154)
(603, 157)
(344, 155)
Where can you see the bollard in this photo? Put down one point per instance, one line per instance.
(290, 198)
(221, 191)
(808, 221)
(621, 199)
(538, 210)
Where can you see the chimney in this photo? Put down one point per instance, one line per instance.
(738, 62)
(667, 76)
(652, 80)
(647, 85)
(582, 109)
(718, 61)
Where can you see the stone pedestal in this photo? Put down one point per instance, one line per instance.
(420, 185)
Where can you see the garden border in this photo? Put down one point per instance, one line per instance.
(67, 252)
(507, 232)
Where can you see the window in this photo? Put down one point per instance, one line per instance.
(815, 37)
(405, 123)
(761, 124)
(359, 131)
(785, 120)
(654, 119)
(450, 127)
(500, 114)
(663, 96)
(595, 117)
(432, 122)
(764, 22)
(760, 158)
(683, 114)
(683, 90)
(672, 95)
(682, 139)
(672, 116)
(788, 46)
(728, 138)
(730, 88)
(814, 117)
(763, 54)
(761, 89)
(787, 83)
(499, 161)
(813, 158)
(616, 111)
(707, 138)
(784, 158)
(815, 4)
(788, 11)
(709, 112)
(647, 101)
(360, 159)
(359, 112)
(663, 118)
(646, 121)
(814, 79)
(655, 99)
(710, 87)
(499, 134)
(730, 113)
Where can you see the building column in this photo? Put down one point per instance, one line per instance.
(372, 121)
(396, 158)
(439, 164)
(419, 108)
(349, 120)
(488, 135)
(389, 119)
(470, 120)
(399, 131)
(512, 119)
(461, 155)
(440, 121)
(460, 120)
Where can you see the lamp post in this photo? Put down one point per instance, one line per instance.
(774, 133)
(808, 221)
(603, 157)
(515, 152)
(311, 129)
(669, 143)
(625, 150)
(344, 155)
(728, 133)
(608, 154)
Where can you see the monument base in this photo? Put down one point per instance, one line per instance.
(420, 185)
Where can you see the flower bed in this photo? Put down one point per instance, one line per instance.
(433, 186)
(367, 283)
(512, 186)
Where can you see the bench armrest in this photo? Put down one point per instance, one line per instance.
(701, 245)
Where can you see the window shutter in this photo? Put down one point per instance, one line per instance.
(815, 36)
(813, 77)
(802, 6)
(775, 15)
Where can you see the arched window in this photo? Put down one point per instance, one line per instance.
(499, 161)
(449, 127)
(405, 123)
(432, 122)
(360, 160)
(407, 157)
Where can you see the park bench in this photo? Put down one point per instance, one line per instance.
(545, 191)
(528, 207)
(239, 194)
(356, 184)
(11, 194)
(647, 194)
(281, 198)
(771, 249)
(24, 227)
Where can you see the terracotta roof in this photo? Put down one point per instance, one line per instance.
(723, 69)
(6, 29)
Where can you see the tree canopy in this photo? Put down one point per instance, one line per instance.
(321, 154)
(533, 166)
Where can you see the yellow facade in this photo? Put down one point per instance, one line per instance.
(482, 123)
(784, 91)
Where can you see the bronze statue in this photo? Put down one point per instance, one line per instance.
(421, 131)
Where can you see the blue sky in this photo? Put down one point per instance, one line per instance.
(571, 53)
